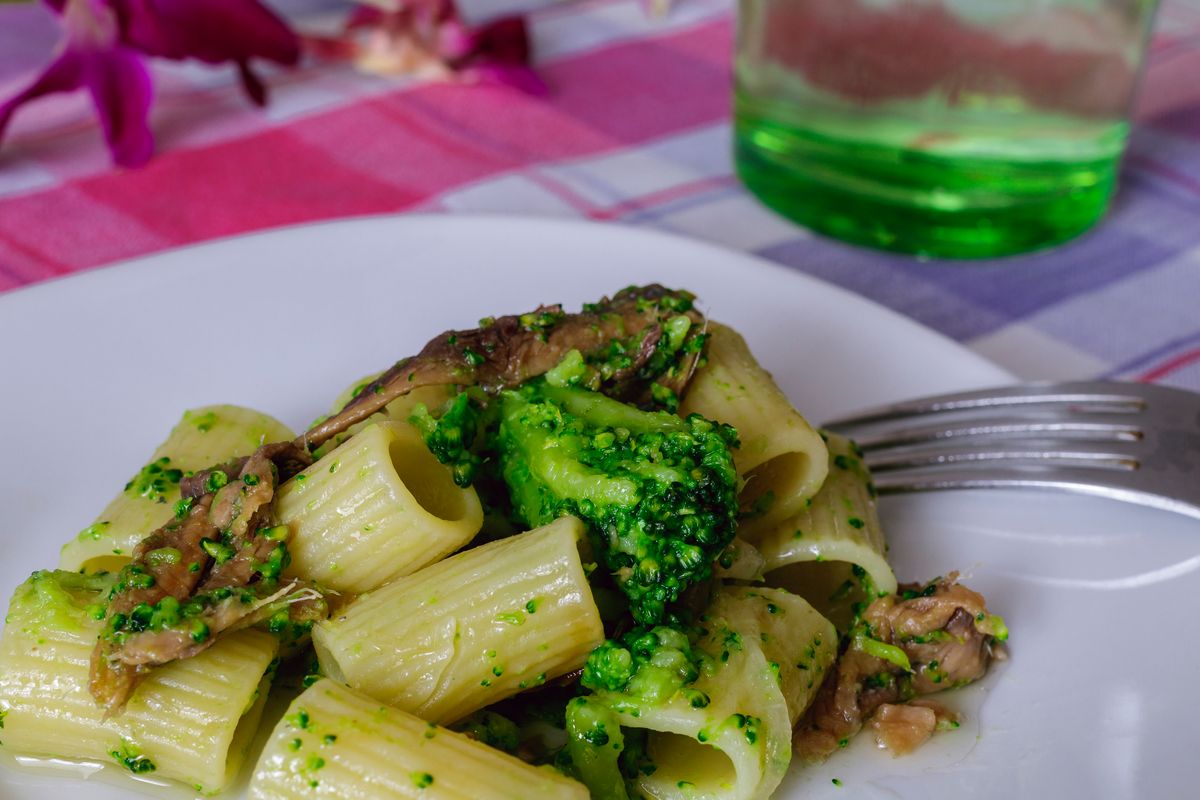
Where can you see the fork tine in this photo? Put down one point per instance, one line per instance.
(1086, 455)
(1134, 442)
(1110, 397)
(1078, 481)
(1100, 427)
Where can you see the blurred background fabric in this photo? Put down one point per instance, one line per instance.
(634, 130)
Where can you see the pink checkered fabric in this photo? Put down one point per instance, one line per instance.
(635, 129)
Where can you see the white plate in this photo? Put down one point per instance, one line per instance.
(1098, 700)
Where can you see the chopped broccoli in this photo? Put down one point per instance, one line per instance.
(644, 668)
(658, 493)
(647, 666)
(451, 436)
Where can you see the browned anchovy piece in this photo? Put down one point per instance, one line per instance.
(230, 516)
(945, 631)
(514, 349)
(288, 458)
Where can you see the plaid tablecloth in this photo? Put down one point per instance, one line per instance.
(635, 131)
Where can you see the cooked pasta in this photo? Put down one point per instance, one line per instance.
(470, 630)
(191, 721)
(781, 457)
(841, 525)
(205, 436)
(799, 643)
(376, 508)
(652, 610)
(729, 735)
(334, 742)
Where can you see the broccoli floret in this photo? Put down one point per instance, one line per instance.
(658, 493)
(645, 666)
(451, 436)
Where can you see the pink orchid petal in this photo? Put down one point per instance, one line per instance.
(363, 17)
(106, 40)
(457, 41)
(208, 30)
(120, 87)
(497, 52)
(62, 75)
(252, 84)
(505, 39)
(121, 90)
(331, 48)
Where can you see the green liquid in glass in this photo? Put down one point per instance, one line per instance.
(949, 183)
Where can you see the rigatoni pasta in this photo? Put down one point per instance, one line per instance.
(645, 616)
(763, 655)
(191, 721)
(334, 742)
(471, 630)
(727, 736)
(377, 507)
(203, 437)
(799, 643)
(840, 525)
(782, 459)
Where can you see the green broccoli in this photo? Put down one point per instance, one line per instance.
(646, 667)
(451, 436)
(658, 493)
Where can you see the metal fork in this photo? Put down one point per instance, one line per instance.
(1134, 442)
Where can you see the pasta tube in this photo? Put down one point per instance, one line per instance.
(192, 720)
(376, 508)
(841, 525)
(334, 742)
(204, 437)
(800, 645)
(471, 630)
(729, 737)
(781, 457)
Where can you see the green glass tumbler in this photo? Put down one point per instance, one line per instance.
(945, 128)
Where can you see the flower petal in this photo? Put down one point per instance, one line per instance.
(505, 40)
(363, 17)
(121, 90)
(253, 85)
(208, 30)
(497, 52)
(62, 75)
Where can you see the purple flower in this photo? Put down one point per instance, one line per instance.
(427, 38)
(106, 42)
